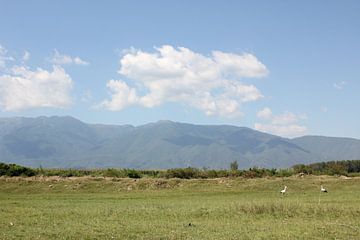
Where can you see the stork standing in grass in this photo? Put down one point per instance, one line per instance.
(322, 190)
(284, 190)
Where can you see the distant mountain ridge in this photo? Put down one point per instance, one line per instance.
(66, 142)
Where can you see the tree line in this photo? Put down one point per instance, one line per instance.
(347, 167)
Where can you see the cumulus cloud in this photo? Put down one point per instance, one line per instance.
(24, 88)
(286, 124)
(122, 95)
(209, 83)
(62, 59)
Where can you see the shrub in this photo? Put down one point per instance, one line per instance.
(111, 172)
(132, 173)
(185, 173)
(15, 170)
(3, 169)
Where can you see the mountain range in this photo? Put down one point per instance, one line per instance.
(66, 142)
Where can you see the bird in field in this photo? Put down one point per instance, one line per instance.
(322, 189)
(284, 190)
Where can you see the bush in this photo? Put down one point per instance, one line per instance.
(3, 169)
(185, 173)
(111, 172)
(13, 170)
(132, 173)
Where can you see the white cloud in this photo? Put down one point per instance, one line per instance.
(266, 113)
(62, 59)
(246, 65)
(79, 61)
(292, 130)
(285, 124)
(122, 95)
(26, 56)
(23, 88)
(209, 83)
(4, 57)
(339, 85)
(285, 118)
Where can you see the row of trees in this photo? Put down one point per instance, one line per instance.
(184, 173)
(349, 167)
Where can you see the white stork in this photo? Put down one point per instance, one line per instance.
(284, 190)
(322, 189)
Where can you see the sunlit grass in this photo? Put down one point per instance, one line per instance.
(89, 208)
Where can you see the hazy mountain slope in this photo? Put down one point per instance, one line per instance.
(330, 148)
(56, 140)
(68, 142)
(167, 144)
(53, 141)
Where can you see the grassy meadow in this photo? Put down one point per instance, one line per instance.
(150, 208)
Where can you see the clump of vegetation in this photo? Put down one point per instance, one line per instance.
(346, 167)
(185, 173)
(63, 172)
(132, 173)
(13, 170)
(110, 172)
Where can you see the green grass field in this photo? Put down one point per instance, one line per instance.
(98, 208)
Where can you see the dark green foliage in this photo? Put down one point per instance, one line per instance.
(112, 172)
(132, 173)
(13, 170)
(3, 169)
(330, 168)
(185, 173)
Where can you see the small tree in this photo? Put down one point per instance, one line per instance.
(234, 166)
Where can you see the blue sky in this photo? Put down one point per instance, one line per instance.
(285, 67)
